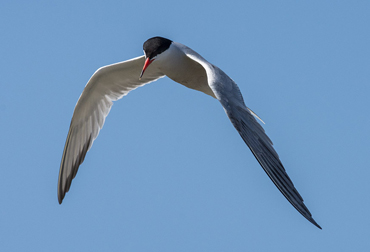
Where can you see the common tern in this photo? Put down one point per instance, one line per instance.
(163, 57)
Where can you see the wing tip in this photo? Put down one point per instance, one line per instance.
(63, 187)
(60, 199)
(315, 223)
(61, 194)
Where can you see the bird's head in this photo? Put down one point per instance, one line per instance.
(152, 48)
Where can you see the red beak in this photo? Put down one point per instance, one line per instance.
(146, 64)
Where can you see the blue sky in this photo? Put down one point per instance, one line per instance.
(168, 171)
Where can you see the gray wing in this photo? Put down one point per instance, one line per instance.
(107, 84)
(228, 93)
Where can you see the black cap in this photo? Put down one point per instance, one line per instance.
(156, 45)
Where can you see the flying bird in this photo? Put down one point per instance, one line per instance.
(163, 57)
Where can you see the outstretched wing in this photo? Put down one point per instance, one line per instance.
(228, 93)
(107, 84)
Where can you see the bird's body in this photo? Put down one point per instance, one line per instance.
(182, 69)
(185, 66)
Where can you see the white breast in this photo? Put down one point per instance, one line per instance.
(177, 66)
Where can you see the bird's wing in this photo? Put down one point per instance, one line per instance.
(107, 84)
(228, 93)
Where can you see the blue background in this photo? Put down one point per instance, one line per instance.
(168, 171)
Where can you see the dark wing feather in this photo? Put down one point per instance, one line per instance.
(229, 95)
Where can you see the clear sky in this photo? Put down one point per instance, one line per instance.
(168, 171)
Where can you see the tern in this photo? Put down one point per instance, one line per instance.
(163, 57)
